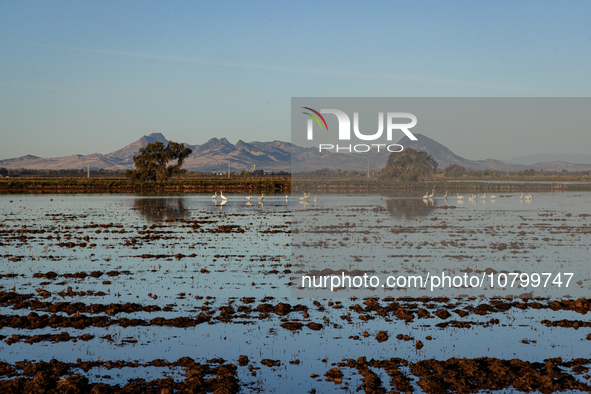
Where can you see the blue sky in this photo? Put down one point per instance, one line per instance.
(84, 77)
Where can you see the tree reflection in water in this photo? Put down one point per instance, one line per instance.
(159, 209)
(408, 208)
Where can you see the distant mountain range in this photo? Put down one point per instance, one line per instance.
(216, 153)
(549, 157)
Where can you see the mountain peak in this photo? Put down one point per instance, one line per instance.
(440, 152)
(157, 135)
(154, 137)
(241, 144)
(125, 155)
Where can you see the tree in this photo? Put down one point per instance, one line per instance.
(454, 171)
(151, 162)
(409, 165)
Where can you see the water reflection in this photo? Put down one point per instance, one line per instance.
(409, 208)
(159, 209)
(220, 204)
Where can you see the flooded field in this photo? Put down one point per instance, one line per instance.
(166, 294)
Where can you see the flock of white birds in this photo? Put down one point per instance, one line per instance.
(306, 197)
(248, 198)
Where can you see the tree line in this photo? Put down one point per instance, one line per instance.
(65, 173)
(417, 166)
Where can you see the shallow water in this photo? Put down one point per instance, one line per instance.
(406, 236)
(168, 250)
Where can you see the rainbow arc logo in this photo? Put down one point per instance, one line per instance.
(315, 118)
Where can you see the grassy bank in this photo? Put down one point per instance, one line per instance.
(358, 184)
(120, 185)
(268, 183)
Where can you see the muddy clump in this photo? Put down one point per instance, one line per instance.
(381, 336)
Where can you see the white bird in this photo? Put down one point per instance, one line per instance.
(314, 199)
(426, 196)
(521, 196)
(445, 195)
(222, 196)
(248, 197)
(529, 197)
(432, 193)
(493, 197)
(483, 196)
(306, 197)
(458, 196)
(286, 197)
(215, 195)
(471, 198)
(261, 197)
